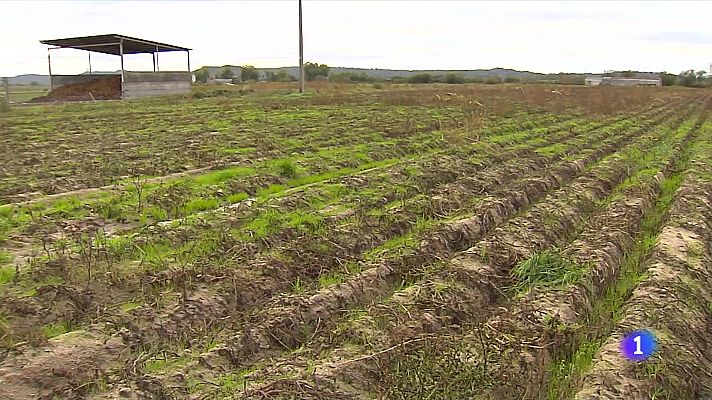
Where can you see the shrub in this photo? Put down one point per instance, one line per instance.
(420, 78)
(226, 73)
(312, 70)
(248, 72)
(454, 78)
(202, 75)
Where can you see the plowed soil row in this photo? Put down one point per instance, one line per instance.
(673, 301)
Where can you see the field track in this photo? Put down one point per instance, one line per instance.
(439, 258)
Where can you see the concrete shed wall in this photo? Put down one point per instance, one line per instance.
(142, 84)
(64, 80)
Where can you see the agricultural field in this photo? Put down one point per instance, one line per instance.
(394, 242)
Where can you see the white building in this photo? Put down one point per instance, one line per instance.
(612, 81)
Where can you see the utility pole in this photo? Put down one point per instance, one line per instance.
(301, 51)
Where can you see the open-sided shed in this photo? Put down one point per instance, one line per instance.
(133, 84)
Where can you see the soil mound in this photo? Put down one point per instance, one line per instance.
(98, 89)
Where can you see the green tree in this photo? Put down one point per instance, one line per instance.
(690, 78)
(283, 76)
(493, 79)
(312, 70)
(454, 78)
(226, 73)
(248, 73)
(202, 75)
(668, 79)
(420, 78)
(350, 77)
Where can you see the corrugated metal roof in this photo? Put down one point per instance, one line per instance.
(109, 44)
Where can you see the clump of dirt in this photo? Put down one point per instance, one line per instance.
(63, 369)
(98, 89)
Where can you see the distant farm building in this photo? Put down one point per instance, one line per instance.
(614, 81)
(123, 84)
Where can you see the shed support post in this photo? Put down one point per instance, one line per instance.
(49, 64)
(121, 53)
(158, 68)
(89, 52)
(190, 73)
(154, 61)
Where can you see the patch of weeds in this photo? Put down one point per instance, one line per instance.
(545, 269)
(233, 383)
(286, 168)
(155, 365)
(298, 286)
(201, 204)
(237, 197)
(220, 176)
(7, 274)
(5, 257)
(53, 330)
(353, 267)
(435, 371)
(331, 278)
(270, 190)
(553, 150)
(305, 222)
(694, 251)
(157, 213)
(266, 223)
(130, 305)
(563, 371)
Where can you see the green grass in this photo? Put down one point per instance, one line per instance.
(298, 286)
(223, 175)
(130, 305)
(201, 204)
(7, 274)
(329, 279)
(306, 222)
(53, 330)
(548, 268)
(237, 197)
(553, 150)
(286, 168)
(266, 223)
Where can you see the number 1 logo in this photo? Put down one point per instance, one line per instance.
(639, 345)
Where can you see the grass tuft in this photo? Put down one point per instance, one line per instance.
(545, 269)
(287, 168)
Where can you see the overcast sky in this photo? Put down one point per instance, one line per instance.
(567, 36)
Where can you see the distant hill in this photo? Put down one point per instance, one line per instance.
(27, 79)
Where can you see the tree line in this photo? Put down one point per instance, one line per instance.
(316, 71)
(312, 71)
